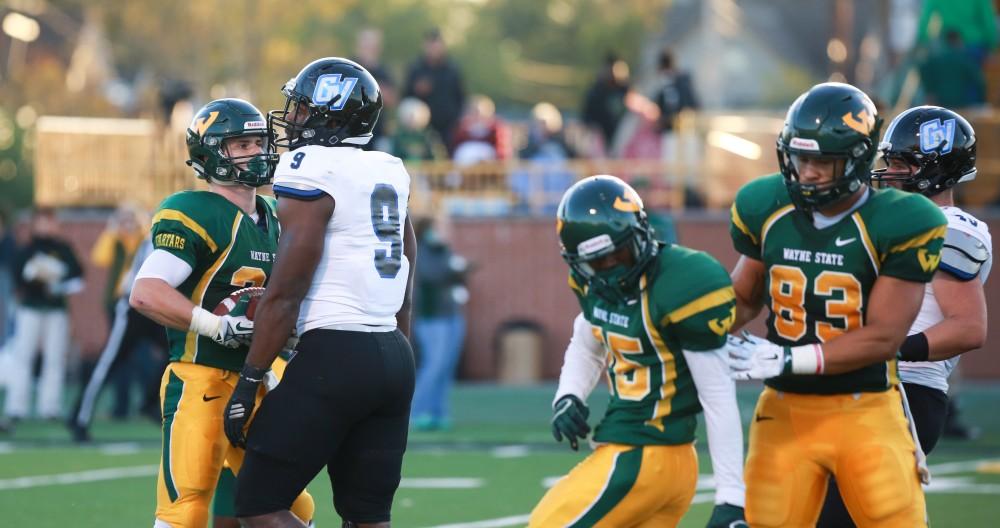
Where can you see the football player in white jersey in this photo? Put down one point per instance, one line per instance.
(342, 279)
(928, 150)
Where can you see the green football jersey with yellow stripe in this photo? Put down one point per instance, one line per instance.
(226, 250)
(817, 281)
(686, 303)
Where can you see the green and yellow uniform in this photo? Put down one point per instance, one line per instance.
(816, 287)
(686, 302)
(227, 250)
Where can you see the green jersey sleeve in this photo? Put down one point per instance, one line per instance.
(701, 312)
(914, 237)
(178, 231)
(754, 204)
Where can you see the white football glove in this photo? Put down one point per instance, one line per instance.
(750, 357)
(227, 330)
(233, 331)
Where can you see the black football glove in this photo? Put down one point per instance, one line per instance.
(570, 420)
(241, 404)
(727, 516)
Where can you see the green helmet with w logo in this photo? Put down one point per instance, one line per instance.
(835, 122)
(598, 216)
(219, 121)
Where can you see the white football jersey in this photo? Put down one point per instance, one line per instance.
(361, 277)
(935, 374)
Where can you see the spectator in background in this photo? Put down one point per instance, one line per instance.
(114, 251)
(480, 134)
(950, 77)
(438, 324)
(657, 205)
(974, 20)
(46, 272)
(676, 94)
(368, 53)
(414, 140)
(436, 80)
(7, 249)
(604, 104)
(539, 187)
(129, 330)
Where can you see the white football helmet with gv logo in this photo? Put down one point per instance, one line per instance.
(331, 101)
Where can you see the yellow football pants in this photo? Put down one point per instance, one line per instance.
(797, 440)
(195, 446)
(623, 486)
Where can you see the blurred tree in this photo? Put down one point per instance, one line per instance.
(16, 184)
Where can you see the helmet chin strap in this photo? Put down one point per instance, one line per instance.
(232, 183)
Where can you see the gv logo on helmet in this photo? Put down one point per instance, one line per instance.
(936, 136)
(333, 90)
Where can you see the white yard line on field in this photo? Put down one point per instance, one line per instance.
(115, 473)
(92, 475)
(706, 482)
(521, 520)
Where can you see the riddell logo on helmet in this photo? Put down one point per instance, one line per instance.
(593, 245)
(804, 144)
(254, 125)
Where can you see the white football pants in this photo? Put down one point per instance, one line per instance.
(50, 328)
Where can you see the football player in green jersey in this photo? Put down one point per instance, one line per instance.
(654, 317)
(208, 245)
(841, 268)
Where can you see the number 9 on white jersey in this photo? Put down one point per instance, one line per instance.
(361, 277)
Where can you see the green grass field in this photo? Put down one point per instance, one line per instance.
(488, 471)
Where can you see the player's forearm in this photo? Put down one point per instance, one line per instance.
(954, 336)
(745, 313)
(157, 300)
(280, 312)
(860, 348)
(748, 285)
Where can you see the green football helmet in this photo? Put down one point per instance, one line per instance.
(833, 121)
(218, 121)
(596, 217)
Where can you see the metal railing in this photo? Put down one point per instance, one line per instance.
(90, 162)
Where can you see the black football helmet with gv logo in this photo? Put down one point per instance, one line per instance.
(332, 101)
(936, 148)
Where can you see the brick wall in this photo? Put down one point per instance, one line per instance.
(519, 276)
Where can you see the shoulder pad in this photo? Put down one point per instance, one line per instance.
(963, 255)
(303, 173)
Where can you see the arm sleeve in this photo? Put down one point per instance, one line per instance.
(915, 258)
(717, 394)
(182, 236)
(583, 363)
(745, 241)
(301, 174)
(165, 266)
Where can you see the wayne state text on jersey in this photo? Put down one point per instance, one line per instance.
(616, 319)
(815, 257)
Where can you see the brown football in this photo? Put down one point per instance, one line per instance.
(227, 304)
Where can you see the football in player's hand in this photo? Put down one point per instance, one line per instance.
(252, 295)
